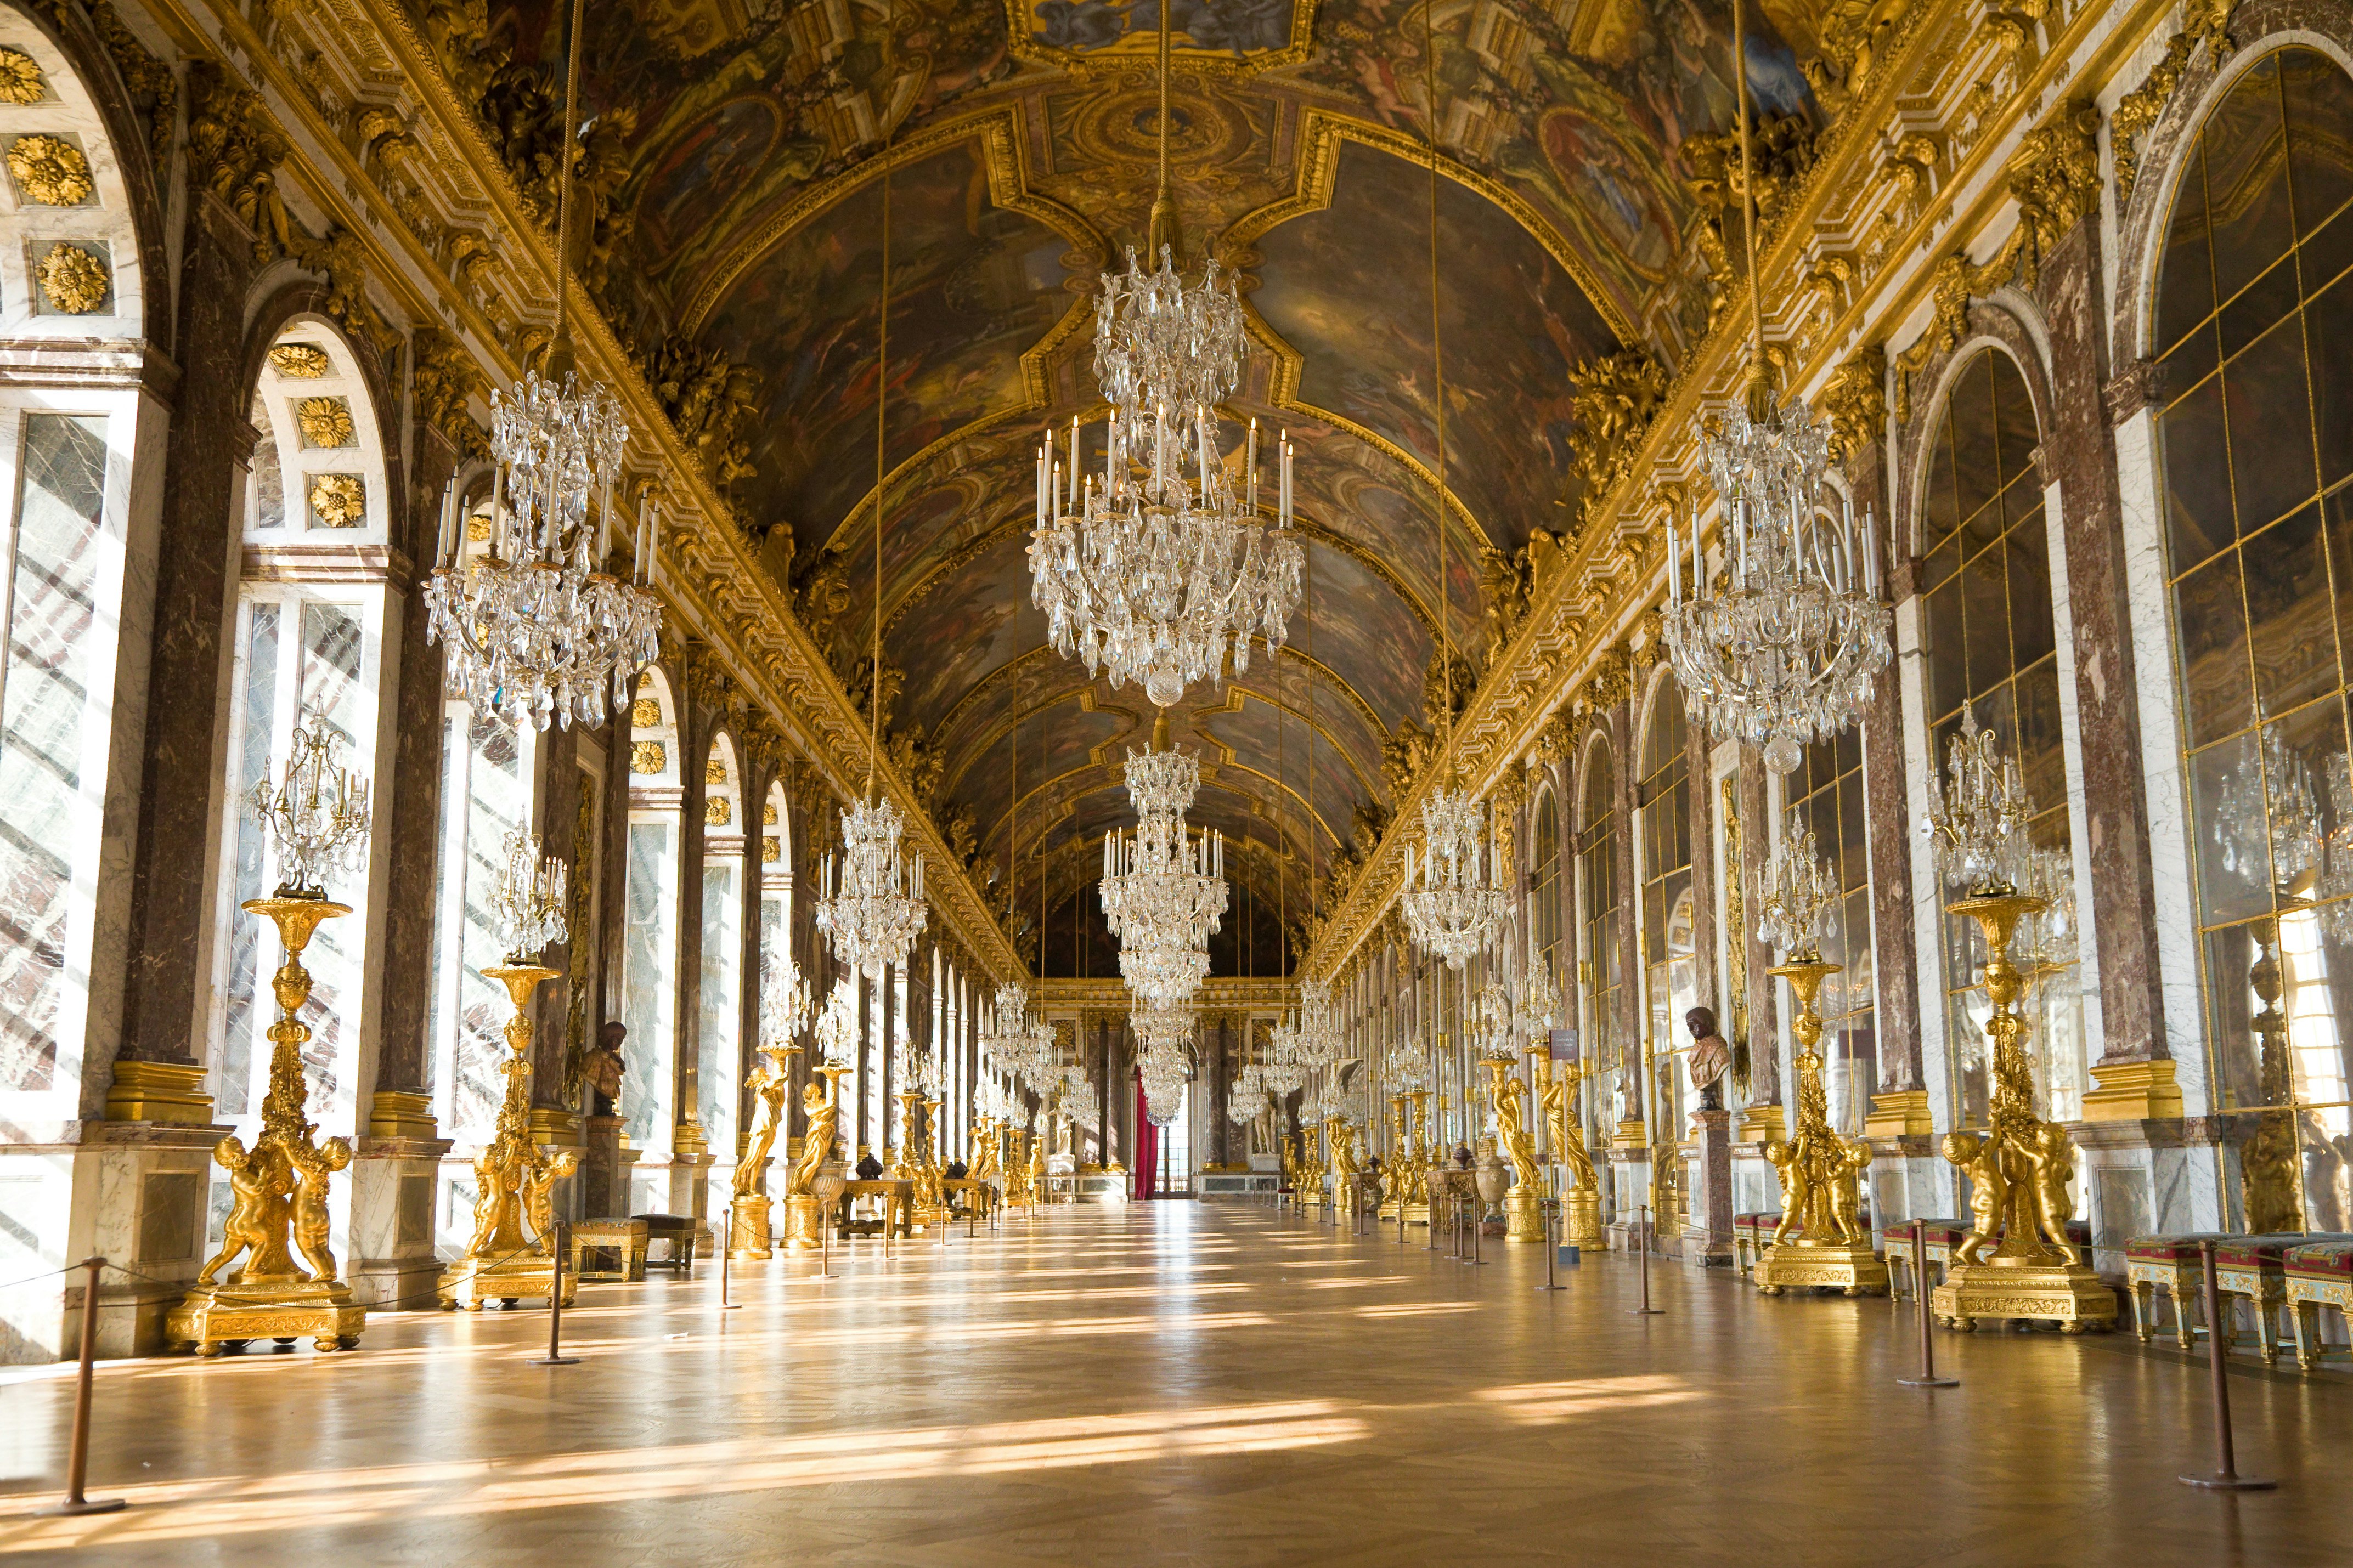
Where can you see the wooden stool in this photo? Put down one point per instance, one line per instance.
(678, 1230)
(625, 1237)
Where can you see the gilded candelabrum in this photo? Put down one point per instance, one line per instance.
(771, 1085)
(514, 1179)
(1507, 1097)
(1580, 1201)
(2267, 1159)
(1415, 1200)
(820, 1125)
(1399, 1167)
(931, 1174)
(2016, 1261)
(1020, 1186)
(279, 1188)
(1346, 1165)
(1821, 1240)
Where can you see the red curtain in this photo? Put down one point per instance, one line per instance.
(1147, 1145)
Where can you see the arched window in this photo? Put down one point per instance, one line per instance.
(1992, 650)
(1670, 980)
(1826, 799)
(718, 1042)
(70, 466)
(1602, 903)
(2255, 321)
(649, 981)
(1545, 887)
(309, 639)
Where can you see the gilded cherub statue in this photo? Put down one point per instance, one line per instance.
(769, 1084)
(257, 1218)
(312, 1165)
(1979, 1158)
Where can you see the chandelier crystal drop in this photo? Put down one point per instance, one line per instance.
(1538, 1009)
(1787, 649)
(871, 893)
(536, 628)
(1978, 822)
(1162, 344)
(1491, 1028)
(318, 813)
(1455, 894)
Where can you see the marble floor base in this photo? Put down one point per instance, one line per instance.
(1178, 1383)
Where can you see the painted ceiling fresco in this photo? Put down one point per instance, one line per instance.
(742, 182)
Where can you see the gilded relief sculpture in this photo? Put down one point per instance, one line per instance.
(316, 820)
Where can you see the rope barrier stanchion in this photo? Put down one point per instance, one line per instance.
(1927, 1378)
(724, 1251)
(1552, 1246)
(556, 1253)
(1478, 1227)
(78, 1454)
(2226, 1477)
(1643, 1242)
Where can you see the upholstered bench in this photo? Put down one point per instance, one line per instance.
(1750, 1234)
(624, 1237)
(2251, 1268)
(2315, 1275)
(678, 1230)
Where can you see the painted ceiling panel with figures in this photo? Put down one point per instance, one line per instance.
(733, 171)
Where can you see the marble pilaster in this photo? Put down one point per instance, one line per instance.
(2078, 455)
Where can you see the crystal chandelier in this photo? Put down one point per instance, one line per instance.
(317, 815)
(836, 1026)
(1979, 827)
(1154, 576)
(1454, 893)
(537, 629)
(1164, 887)
(1492, 1031)
(870, 892)
(1538, 1010)
(1146, 573)
(785, 1001)
(1165, 1036)
(1800, 904)
(1406, 1067)
(1788, 650)
(527, 897)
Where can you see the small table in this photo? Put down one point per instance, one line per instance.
(678, 1230)
(625, 1237)
(898, 1208)
(978, 1196)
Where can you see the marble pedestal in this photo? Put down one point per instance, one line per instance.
(605, 1165)
(134, 1192)
(392, 1263)
(748, 1241)
(690, 1194)
(1708, 1238)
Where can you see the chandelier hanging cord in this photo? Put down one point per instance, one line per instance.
(1759, 389)
(561, 349)
(881, 433)
(1437, 378)
(1164, 230)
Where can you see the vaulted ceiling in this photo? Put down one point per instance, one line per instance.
(746, 218)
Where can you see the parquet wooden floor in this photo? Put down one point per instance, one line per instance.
(1179, 1383)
